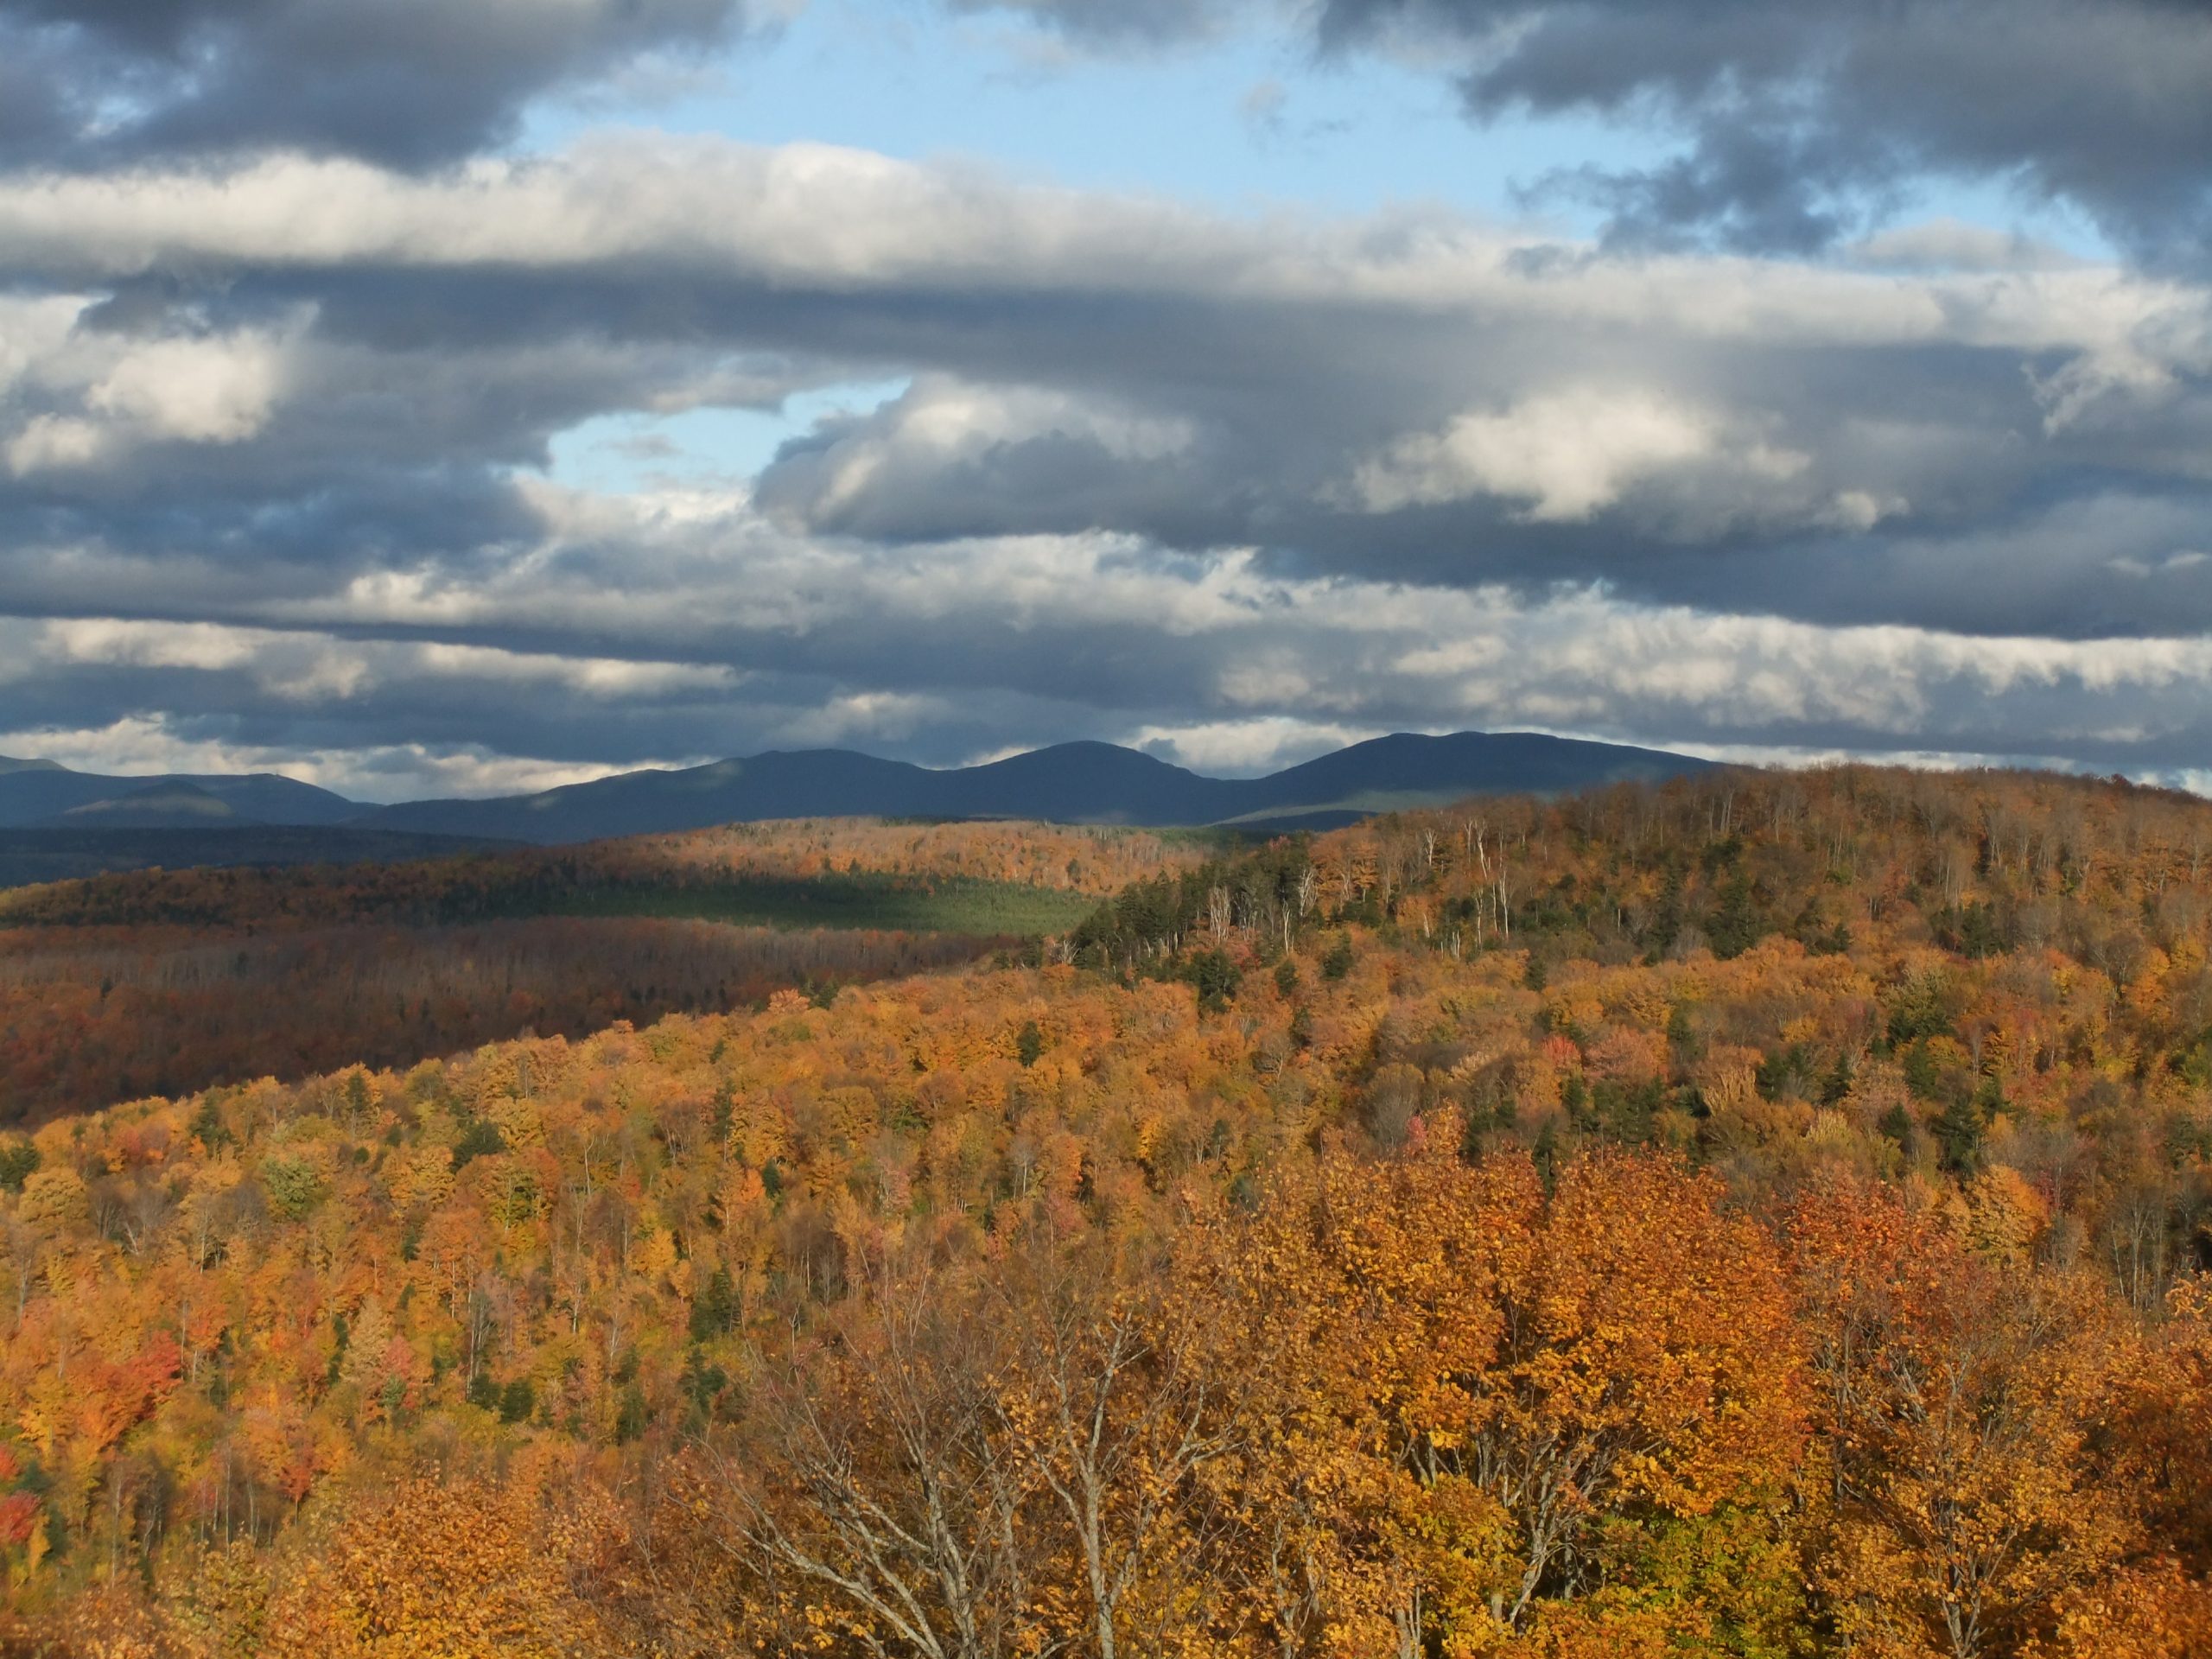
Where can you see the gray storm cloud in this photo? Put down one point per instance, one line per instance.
(1798, 126)
(1800, 118)
(410, 82)
(1421, 399)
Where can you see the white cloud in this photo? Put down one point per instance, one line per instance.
(141, 745)
(938, 421)
(1951, 243)
(102, 393)
(205, 645)
(46, 441)
(1238, 657)
(305, 667)
(1567, 453)
(812, 215)
(866, 717)
(1233, 749)
(199, 390)
(32, 331)
(801, 641)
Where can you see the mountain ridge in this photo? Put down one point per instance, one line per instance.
(1082, 782)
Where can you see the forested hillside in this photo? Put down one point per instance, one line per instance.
(163, 982)
(773, 867)
(30, 857)
(1758, 1215)
(106, 1014)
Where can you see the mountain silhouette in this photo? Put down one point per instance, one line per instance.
(1068, 783)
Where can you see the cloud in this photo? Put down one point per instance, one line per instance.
(1952, 243)
(138, 746)
(1262, 109)
(1036, 458)
(470, 316)
(1567, 453)
(727, 634)
(388, 358)
(311, 666)
(1804, 123)
(699, 232)
(1246, 748)
(410, 82)
(627, 631)
(274, 434)
(99, 396)
(1114, 25)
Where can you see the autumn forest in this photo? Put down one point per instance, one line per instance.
(1763, 1214)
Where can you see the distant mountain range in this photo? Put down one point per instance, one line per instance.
(1069, 783)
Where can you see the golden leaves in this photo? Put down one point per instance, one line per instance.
(54, 1197)
(424, 1176)
(438, 1569)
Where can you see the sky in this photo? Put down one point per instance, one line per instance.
(423, 399)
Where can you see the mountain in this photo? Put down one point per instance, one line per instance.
(40, 793)
(1069, 783)
(1405, 770)
(1074, 782)
(172, 804)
